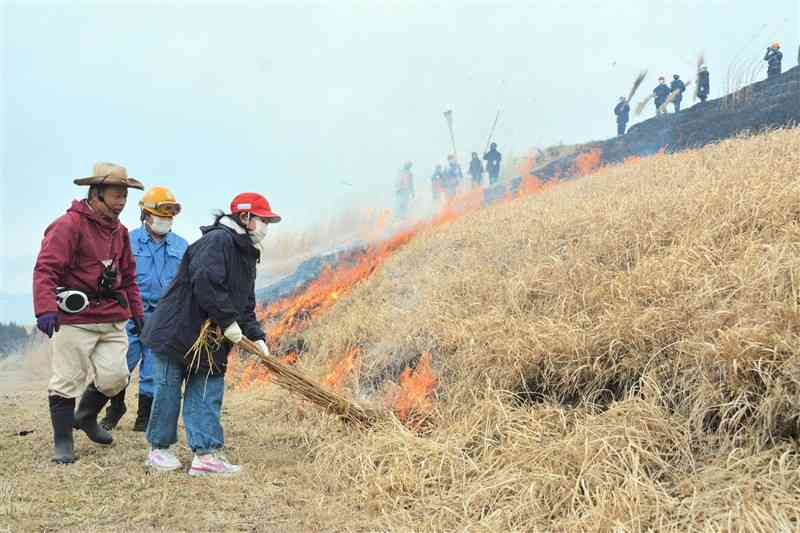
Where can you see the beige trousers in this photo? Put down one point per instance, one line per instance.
(77, 349)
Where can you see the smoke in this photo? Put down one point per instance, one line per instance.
(282, 253)
(27, 369)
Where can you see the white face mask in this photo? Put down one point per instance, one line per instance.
(160, 225)
(258, 233)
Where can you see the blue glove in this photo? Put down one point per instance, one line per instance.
(47, 323)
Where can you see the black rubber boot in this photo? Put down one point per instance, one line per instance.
(62, 412)
(89, 407)
(114, 412)
(143, 416)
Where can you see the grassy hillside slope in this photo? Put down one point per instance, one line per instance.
(619, 353)
(647, 316)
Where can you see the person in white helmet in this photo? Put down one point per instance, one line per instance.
(703, 84)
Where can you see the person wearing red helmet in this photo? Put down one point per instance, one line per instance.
(216, 282)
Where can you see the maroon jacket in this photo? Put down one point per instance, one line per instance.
(71, 256)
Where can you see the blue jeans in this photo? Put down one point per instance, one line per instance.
(141, 356)
(202, 404)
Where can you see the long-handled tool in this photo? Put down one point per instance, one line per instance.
(448, 116)
(491, 132)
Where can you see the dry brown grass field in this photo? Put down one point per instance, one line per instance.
(617, 354)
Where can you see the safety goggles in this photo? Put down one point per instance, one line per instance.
(169, 209)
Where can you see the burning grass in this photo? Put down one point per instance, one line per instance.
(618, 353)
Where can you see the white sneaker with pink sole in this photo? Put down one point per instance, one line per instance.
(162, 459)
(212, 463)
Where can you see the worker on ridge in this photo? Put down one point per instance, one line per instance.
(215, 282)
(677, 85)
(703, 84)
(773, 57)
(623, 112)
(404, 190)
(493, 158)
(437, 182)
(158, 252)
(453, 177)
(476, 171)
(84, 292)
(661, 93)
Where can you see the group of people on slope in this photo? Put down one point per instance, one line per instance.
(674, 91)
(112, 300)
(446, 179)
(663, 94)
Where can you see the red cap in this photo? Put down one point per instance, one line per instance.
(252, 202)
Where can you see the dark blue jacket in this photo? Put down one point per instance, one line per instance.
(216, 280)
(677, 84)
(623, 112)
(492, 158)
(475, 168)
(773, 58)
(703, 83)
(661, 92)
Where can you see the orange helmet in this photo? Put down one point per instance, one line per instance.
(776, 45)
(160, 201)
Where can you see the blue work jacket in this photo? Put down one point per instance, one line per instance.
(156, 263)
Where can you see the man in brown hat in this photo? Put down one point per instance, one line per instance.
(84, 292)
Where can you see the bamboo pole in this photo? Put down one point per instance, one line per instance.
(491, 132)
(448, 116)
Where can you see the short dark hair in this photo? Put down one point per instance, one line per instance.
(96, 189)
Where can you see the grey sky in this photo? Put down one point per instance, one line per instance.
(292, 98)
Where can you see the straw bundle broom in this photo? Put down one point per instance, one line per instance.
(636, 84)
(641, 105)
(208, 341)
(297, 383)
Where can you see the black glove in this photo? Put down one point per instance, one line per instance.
(138, 325)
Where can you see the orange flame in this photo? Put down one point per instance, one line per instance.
(413, 398)
(588, 162)
(336, 377)
(294, 314)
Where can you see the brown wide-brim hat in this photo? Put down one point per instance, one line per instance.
(110, 174)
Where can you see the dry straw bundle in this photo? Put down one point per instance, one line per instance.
(208, 341)
(300, 385)
(641, 105)
(636, 84)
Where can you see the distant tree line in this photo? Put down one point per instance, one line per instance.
(12, 338)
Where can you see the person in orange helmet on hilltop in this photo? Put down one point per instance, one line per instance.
(773, 57)
(216, 283)
(158, 252)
